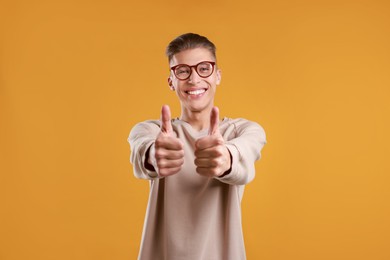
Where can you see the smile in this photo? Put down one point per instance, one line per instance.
(196, 92)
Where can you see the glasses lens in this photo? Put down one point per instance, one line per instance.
(182, 72)
(204, 69)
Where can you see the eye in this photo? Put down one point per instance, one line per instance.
(182, 70)
(204, 68)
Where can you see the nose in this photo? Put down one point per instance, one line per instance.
(194, 77)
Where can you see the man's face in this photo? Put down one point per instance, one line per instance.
(196, 93)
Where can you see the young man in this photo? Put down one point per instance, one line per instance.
(197, 165)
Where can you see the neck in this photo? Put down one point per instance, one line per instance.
(199, 120)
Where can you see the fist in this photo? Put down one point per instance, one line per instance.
(167, 154)
(212, 158)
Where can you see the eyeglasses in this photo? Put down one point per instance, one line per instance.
(184, 71)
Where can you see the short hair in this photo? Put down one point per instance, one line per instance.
(189, 41)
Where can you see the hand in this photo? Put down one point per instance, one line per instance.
(212, 158)
(167, 154)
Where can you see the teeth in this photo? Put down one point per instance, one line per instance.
(196, 92)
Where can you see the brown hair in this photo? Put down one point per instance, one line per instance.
(189, 41)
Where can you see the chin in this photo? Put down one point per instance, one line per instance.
(197, 108)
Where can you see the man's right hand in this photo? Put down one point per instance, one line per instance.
(167, 154)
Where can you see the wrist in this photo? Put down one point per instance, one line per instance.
(150, 159)
(230, 160)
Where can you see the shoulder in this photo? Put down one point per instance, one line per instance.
(242, 125)
(148, 123)
(242, 128)
(147, 126)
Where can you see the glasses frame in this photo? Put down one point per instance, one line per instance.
(173, 68)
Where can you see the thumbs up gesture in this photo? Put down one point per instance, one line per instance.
(168, 149)
(212, 158)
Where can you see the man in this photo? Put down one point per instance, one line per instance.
(197, 165)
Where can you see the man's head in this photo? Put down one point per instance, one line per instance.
(189, 41)
(194, 73)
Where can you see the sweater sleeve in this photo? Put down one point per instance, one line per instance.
(141, 137)
(245, 149)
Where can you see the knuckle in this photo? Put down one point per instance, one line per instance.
(176, 163)
(214, 171)
(196, 144)
(160, 164)
(158, 142)
(220, 141)
(219, 151)
(162, 172)
(197, 153)
(196, 162)
(214, 162)
(159, 154)
(218, 163)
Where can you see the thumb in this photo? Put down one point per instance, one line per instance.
(166, 125)
(214, 121)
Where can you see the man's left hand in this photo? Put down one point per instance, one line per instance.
(212, 158)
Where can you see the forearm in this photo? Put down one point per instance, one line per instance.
(244, 150)
(141, 138)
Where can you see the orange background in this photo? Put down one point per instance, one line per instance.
(75, 76)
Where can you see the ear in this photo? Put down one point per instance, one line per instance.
(170, 84)
(219, 76)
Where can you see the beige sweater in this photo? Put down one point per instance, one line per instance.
(191, 217)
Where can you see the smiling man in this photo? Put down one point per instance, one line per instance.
(197, 164)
